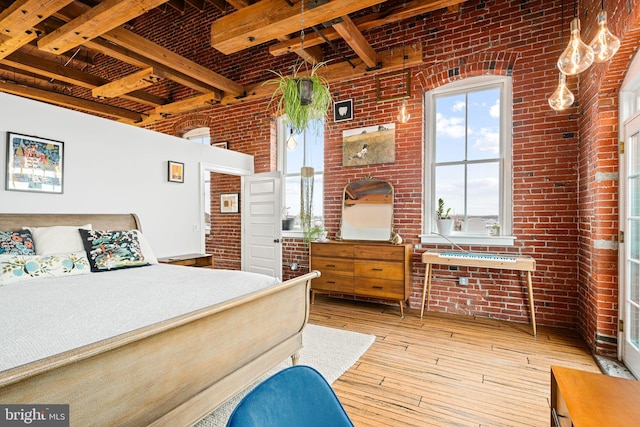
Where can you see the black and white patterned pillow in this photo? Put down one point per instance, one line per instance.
(112, 249)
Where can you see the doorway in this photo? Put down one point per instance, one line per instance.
(629, 220)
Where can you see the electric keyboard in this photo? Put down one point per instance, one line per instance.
(480, 259)
(479, 256)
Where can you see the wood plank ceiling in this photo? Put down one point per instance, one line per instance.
(49, 48)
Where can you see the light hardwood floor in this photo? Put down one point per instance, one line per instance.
(448, 370)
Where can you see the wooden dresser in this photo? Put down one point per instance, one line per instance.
(371, 269)
(588, 399)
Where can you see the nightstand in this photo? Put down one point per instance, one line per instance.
(192, 260)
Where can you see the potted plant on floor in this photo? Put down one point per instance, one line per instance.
(301, 97)
(444, 222)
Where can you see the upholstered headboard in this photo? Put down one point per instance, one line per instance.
(13, 221)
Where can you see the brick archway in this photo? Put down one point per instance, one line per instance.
(189, 122)
(477, 64)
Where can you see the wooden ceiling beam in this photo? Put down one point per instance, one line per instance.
(221, 5)
(97, 20)
(127, 84)
(178, 5)
(188, 104)
(150, 54)
(239, 4)
(395, 14)
(11, 44)
(72, 76)
(70, 101)
(354, 38)
(23, 15)
(140, 61)
(267, 19)
(157, 53)
(198, 4)
(390, 60)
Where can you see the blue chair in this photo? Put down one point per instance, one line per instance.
(297, 396)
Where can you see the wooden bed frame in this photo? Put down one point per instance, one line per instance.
(171, 373)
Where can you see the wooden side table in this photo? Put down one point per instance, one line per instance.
(587, 399)
(192, 260)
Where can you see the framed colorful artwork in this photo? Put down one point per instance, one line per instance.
(176, 171)
(229, 203)
(34, 164)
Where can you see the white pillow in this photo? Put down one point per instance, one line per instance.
(145, 247)
(58, 239)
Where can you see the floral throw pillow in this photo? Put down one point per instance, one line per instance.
(18, 268)
(16, 243)
(112, 249)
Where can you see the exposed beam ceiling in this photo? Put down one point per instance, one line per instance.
(397, 13)
(267, 19)
(43, 42)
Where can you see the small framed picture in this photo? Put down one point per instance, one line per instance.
(229, 203)
(220, 144)
(176, 171)
(343, 110)
(34, 164)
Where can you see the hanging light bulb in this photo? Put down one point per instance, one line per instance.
(562, 98)
(604, 44)
(403, 113)
(577, 57)
(291, 141)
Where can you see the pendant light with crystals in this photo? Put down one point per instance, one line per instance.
(578, 56)
(604, 44)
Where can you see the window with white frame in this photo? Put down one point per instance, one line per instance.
(468, 159)
(295, 151)
(201, 135)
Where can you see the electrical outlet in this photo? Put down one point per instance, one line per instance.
(463, 281)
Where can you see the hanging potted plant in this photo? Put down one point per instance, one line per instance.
(443, 221)
(301, 97)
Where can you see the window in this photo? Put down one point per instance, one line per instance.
(200, 135)
(468, 159)
(307, 151)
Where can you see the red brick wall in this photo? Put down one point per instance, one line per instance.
(598, 169)
(560, 209)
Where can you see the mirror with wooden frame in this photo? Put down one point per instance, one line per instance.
(367, 210)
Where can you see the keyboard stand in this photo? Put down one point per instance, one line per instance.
(522, 263)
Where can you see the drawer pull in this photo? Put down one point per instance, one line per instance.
(377, 269)
(377, 287)
(331, 283)
(331, 265)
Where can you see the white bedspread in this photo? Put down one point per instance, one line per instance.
(44, 317)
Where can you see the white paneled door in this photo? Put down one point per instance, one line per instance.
(262, 241)
(630, 224)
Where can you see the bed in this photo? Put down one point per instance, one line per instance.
(169, 372)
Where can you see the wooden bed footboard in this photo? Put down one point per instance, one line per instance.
(171, 373)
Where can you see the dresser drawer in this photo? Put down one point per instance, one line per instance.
(392, 289)
(334, 283)
(378, 252)
(332, 265)
(335, 250)
(380, 269)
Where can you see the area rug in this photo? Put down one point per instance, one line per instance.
(331, 351)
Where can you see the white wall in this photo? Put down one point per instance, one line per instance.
(111, 167)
